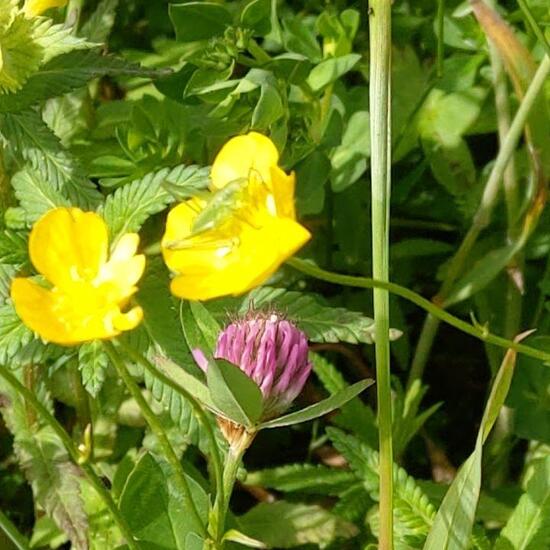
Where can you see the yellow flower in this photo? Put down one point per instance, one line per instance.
(243, 249)
(37, 7)
(69, 248)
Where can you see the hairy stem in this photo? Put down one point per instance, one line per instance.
(479, 332)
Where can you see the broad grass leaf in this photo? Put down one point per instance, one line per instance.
(454, 521)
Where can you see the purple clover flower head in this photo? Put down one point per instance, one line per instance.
(273, 352)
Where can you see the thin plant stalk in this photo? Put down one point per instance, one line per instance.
(380, 134)
(440, 36)
(477, 331)
(233, 460)
(159, 432)
(197, 409)
(482, 216)
(499, 446)
(13, 534)
(89, 472)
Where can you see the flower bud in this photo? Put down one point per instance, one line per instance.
(273, 352)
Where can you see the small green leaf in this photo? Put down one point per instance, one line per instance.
(198, 20)
(482, 273)
(528, 528)
(200, 328)
(92, 363)
(319, 409)
(287, 524)
(268, 109)
(303, 478)
(152, 510)
(236, 536)
(182, 378)
(257, 16)
(234, 393)
(330, 70)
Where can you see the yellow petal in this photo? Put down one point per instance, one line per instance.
(128, 320)
(36, 306)
(36, 7)
(67, 244)
(56, 317)
(282, 186)
(124, 268)
(241, 155)
(259, 254)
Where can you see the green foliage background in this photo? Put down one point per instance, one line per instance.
(120, 107)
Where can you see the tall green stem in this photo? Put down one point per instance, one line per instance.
(380, 134)
(479, 332)
(94, 480)
(156, 427)
(483, 214)
(10, 530)
(440, 36)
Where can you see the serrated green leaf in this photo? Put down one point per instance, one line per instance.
(54, 479)
(36, 195)
(353, 504)
(21, 54)
(319, 409)
(161, 316)
(13, 334)
(355, 415)
(129, 206)
(234, 393)
(322, 323)
(177, 407)
(286, 525)
(7, 272)
(57, 39)
(30, 138)
(92, 363)
(56, 483)
(13, 248)
(64, 74)
(413, 511)
(308, 478)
